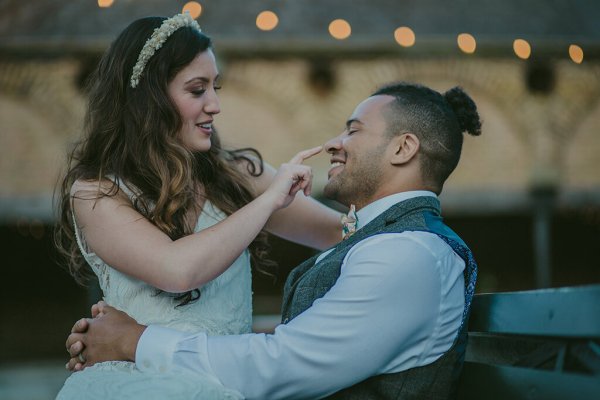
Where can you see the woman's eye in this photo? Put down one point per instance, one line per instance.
(350, 132)
(198, 92)
(217, 87)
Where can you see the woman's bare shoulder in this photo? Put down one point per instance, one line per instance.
(92, 189)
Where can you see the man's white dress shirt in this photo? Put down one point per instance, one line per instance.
(397, 304)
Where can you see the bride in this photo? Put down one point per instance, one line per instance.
(165, 217)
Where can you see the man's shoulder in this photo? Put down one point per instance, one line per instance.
(402, 244)
(417, 236)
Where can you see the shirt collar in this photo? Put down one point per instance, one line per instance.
(369, 212)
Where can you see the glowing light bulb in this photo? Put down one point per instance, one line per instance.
(466, 43)
(576, 53)
(105, 3)
(267, 21)
(404, 36)
(194, 8)
(522, 49)
(340, 29)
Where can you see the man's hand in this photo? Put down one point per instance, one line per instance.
(110, 335)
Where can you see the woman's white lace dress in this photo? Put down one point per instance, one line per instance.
(224, 308)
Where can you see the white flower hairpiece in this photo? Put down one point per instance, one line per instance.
(158, 38)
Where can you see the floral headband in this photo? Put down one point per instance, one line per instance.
(158, 38)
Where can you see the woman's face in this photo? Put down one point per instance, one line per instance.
(194, 92)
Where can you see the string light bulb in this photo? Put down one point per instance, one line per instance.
(466, 43)
(194, 8)
(267, 21)
(404, 36)
(576, 53)
(105, 3)
(522, 49)
(340, 29)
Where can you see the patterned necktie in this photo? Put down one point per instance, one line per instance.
(349, 223)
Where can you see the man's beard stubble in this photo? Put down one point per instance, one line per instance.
(358, 185)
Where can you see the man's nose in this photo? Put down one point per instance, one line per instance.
(333, 144)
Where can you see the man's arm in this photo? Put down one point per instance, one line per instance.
(378, 318)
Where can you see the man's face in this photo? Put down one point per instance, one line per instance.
(357, 154)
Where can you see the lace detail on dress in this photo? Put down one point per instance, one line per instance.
(97, 265)
(121, 380)
(224, 308)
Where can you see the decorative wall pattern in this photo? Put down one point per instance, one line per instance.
(40, 113)
(282, 106)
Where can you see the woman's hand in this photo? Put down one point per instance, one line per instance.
(291, 178)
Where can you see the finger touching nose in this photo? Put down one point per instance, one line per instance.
(305, 154)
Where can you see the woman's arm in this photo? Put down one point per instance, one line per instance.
(127, 241)
(305, 221)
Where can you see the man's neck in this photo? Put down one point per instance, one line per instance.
(386, 192)
(370, 211)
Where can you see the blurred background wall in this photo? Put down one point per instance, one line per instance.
(526, 195)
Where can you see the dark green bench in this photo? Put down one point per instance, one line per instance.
(539, 344)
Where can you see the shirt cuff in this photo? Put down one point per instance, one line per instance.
(156, 348)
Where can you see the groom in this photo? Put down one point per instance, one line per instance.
(381, 315)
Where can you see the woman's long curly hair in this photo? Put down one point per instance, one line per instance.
(133, 134)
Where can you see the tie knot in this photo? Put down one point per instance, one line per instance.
(349, 223)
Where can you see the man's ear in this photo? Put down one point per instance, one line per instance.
(405, 147)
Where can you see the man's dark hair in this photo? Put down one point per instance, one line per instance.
(437, 120)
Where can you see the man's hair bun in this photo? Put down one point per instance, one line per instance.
(465, 109)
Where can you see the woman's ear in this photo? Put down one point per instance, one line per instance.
(405, 147)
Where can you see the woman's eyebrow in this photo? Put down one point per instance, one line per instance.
(202, 79)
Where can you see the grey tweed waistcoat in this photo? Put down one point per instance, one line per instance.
(309, 282)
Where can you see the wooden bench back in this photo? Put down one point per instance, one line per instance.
(540, 344)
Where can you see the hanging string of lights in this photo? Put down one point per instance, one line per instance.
(341, 29)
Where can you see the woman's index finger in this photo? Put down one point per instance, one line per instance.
(305, 154)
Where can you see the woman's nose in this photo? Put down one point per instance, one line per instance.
(212, 105)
